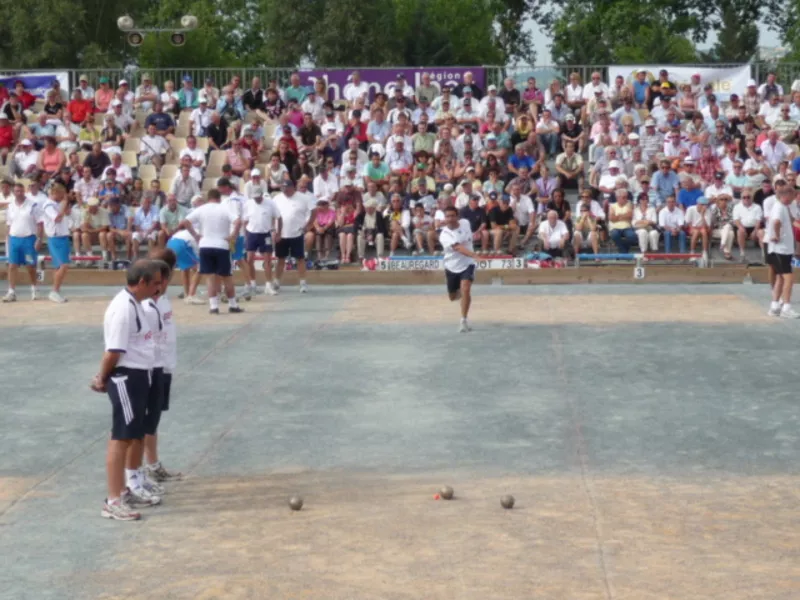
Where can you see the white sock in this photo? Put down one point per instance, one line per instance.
(774, 305)
(787, 307)
(34, 288)
(233, 303)
(253, 284)
(214, 302)
(132, 478)
(12, 290)
(302, 282)
(463, 319)
(112, 500)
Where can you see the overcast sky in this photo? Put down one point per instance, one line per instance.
(767, 38)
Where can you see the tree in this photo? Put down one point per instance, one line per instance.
(737, 38)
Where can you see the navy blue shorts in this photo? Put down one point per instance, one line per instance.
(454, 279)
(294, 247)
(215, 261)
(258, 242)
(129, 392)
(152, 416)
(167, 380)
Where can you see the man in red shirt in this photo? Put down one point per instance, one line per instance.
(78, 107)
(6, 136)
(26, 98)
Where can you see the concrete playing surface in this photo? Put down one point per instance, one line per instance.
(648, 433)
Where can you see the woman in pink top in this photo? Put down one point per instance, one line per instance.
(321, 232)
(103, 96)
(51, 159)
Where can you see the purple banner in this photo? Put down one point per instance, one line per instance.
(383, 80)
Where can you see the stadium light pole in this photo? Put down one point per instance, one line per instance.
(177, 35)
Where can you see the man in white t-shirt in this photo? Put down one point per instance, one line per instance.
(218, 235)
(780, 252)
(698, 220)
(747, 217)
(125, 374)
(459, 261)
(25, 220)
(261, 218)
(234, 202)
(295, 216)
(356, 89)
(554, 235)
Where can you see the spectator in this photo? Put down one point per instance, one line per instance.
(87, 186)
(570, 169)
(548, 130)
(371, 228)
(103, 96)
(698, 219)
(553, 234)
(722, 223)
(187, 96)
(146, 94)
(748, 217)
(398, 221)
(169, 218)
(145, 225)
(50, 160)
(585, 228)
(93, 230)
(165, 125)
(524, 213)
(775, 151)
(184, 187)
(87, 91)
(718, 188)
(123, 173)
(209, 93)
(620, 219)
(120, 226)
(153, 148)
(645, 222)
(170, 98)
(504, 226)
(478, 221)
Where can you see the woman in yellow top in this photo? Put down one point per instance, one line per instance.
(620, 222)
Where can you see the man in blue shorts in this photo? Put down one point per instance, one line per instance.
(260, 219)
(214, 221)
(57, 211)
(183, 244)
(24, 217)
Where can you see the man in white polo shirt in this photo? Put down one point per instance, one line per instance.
(459, 262)
(295, 216)
(57, 220)
(234, 202)
(260, 218)
(780, 251)
(215, 223)
(25, 220)
(125, 374)
(747, 217)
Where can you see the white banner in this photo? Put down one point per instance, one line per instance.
(726, 81)
(436, 263)
(37, 83)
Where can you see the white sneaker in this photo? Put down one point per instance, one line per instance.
(271, 289)
(150, 485)
(194, 300)
(140, 497)
(303, 288)
(119, 511)
(774, 312)
(463, 328)
(10, 296)
(57, 298)
(34, 294)
(789, 314)
(276, 285)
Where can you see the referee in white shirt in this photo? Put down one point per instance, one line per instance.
(290, 235)
(125, 374)
(459, 261)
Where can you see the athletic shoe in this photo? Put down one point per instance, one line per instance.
(270, 289)
(159, 473)
(181, 296)
(248, 294)
(789, 314)
(10, 297)
(34, 294)
(194, 300)
(119, 511)
(303, 288)
(276, 285)
(150, 485)
(774, 312)
(463, 328)
(57, 298)
(213, 311)
(234, 309)
(140, 497)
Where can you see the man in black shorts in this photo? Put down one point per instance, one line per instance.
(459, 261)
(780, 251)
(504, 225)
(125, 374)
(478, 221)
(295, 219)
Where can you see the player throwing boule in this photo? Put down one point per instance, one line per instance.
(459, 262)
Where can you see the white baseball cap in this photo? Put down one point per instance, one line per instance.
(116, 102)
(255, 173)
(26, 142)
(751, 83)
(492, 88)
(614, 164)
(123, 82)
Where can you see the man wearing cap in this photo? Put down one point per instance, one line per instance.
(492, 99)
(295, 218)
(260, 218)
(209, 93)
(93, 230)
(103, 96)
(751, 99)
(640, 88)
(371, 227)
(87, 91)
(718, 188)
(25, 221)
(146, 94)
(125, 96)
(187, 95)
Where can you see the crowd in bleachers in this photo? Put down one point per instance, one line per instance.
(563, 169)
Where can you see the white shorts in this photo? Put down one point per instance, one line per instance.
(140, 236)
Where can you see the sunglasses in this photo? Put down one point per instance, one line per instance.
(747, 197)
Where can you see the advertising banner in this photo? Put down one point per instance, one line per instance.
(383, 80)
(436, 263)
(726, 80)
(36, 83)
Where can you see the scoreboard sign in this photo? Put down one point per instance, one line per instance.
(436, 263)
